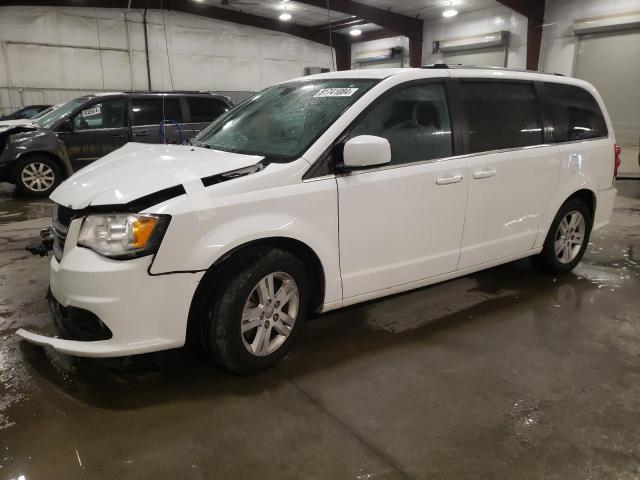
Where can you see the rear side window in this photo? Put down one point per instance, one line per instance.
(573, 112)
(414, 119)
(205, 109)
(501, 115)
(152, 111)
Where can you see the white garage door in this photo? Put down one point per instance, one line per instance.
(486, 57)
(611, 61)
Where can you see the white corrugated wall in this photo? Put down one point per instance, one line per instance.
(53, 54)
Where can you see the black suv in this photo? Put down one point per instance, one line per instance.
(26, 112)
(37, 155)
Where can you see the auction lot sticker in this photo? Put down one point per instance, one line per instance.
(335, 92)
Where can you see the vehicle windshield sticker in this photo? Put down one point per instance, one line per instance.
(91, 111)
(335, 92)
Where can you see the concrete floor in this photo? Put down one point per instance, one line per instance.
(509, 373)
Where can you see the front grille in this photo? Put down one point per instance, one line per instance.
(62, 217)
(62, 214)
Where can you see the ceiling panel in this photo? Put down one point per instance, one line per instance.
(313, 16)
(301, 14)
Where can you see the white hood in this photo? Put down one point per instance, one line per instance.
(139, 169)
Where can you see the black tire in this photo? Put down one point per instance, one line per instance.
(37, 189)
(221, 332)
(548, 259)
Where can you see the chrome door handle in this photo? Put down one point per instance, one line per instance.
(484, 173)
(449, 180)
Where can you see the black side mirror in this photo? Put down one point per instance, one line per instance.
(65, 127)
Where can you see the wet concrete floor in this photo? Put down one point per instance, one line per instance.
(509, 373)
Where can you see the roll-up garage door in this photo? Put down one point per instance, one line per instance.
(486, 57)
(611, 62)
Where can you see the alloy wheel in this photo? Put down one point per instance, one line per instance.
(270, 313)
(38, 176)
(570, 237)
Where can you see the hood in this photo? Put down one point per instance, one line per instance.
(16, 126)
(140, 169)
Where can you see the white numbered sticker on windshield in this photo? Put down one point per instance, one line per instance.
(335, 92)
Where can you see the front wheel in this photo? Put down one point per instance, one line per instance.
(567, 238)
(252, 322)
(37, 176)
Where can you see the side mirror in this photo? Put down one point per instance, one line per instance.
(65, 127)
(366, 151)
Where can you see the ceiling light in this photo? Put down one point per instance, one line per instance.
(450, 12)
(355, 32)
(285, 16)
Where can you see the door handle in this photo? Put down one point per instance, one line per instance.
(484, 174)
(117, 135)
(142, 133)
(449, 180)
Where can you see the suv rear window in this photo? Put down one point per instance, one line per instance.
(501, 115)
(205, 109)
(153, 110)
(573, 112)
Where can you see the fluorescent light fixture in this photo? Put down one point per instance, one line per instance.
(450, 12)
(285, 16)
(355, 32)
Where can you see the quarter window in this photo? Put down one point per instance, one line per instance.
(501, 115)
(152, 111)
(205, 109)
(414, 119)
(107, 114)
(573, 112)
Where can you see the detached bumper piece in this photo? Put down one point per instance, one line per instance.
(43, 246)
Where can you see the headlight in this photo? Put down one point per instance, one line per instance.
(123, 235)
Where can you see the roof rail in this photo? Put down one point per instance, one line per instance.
(436, 65)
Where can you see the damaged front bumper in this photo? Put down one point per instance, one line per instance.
(142, 312)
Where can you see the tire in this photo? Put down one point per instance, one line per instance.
(571, 252)
(37, 175)
(233, 341)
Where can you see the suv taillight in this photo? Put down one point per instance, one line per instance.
(616, 159)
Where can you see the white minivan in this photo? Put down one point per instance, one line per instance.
(322, 192)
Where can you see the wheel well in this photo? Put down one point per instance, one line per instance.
(49, 155)
(240, 256)
(588, 197)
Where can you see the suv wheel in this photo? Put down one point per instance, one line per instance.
(37, 175)
(567, 238)
(256, 316)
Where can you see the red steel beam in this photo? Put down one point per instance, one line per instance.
(408, 26)
(534, 11)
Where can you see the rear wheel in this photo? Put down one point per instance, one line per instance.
(567, 238)
(253, 321)
(37, 175)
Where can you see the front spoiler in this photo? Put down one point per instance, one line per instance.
(100, 348)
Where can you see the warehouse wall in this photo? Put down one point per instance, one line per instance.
(186, 52)
(559, 42)
(478, 22)
(380, 47)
